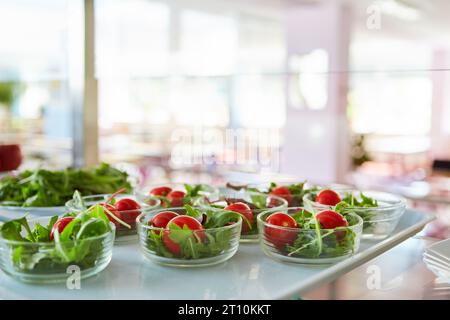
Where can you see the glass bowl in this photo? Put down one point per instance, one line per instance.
(258, 202)
(379, 222)
(123, 233)
(46, 262)
(144, 194)
(217, 244)
(296, 200)
(309, 246)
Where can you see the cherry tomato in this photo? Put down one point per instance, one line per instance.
(277, 236)
(245, 211)
(329, 219)
(176, 198)
(182, 221)
(128, 210)
(284, 193)
(127, 204)
(328, 197)
(60, 225)
(160, 191)
(161, 219)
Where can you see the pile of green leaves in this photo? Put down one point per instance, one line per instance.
(36, 253)
(351, 204)
(45, 188)
(215, 242)
(314, 242)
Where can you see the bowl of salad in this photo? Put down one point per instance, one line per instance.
(51, 249)
(189, 236)
(44, 192)
(380, 211)
(175, 195)
(296, 235)
(290, 190)
(122, 209)
(248, 204)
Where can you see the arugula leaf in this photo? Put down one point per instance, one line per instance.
(314, 242)
(361, 207)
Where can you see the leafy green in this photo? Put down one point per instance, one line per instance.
(298, 190)
(314, 242)
(44, 188)
(78, 243)
(351, 204)
(210, 242)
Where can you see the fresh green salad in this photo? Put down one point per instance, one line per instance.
(292, 193)
(177, 198)
(51, 248)
(327, 234)
(348, 203)
(249, 208)
(192, 233)
(45, 188)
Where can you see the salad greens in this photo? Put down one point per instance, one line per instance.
(297, 191)
(79, 242)
(193, 192)
(212, 242)
(314, 242)
(45, 188)
(350, 203)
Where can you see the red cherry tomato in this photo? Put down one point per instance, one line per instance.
(176, 198)
(127, 204)
(60, 225)
(277, 236)
(128, 210)
(329, 219)
(182, 221)
(245, 211)
(160, 191)
(284, 193)
(328, 197)
(161, 219)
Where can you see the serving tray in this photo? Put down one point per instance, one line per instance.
(248, 275)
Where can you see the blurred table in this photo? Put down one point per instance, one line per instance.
(403, 275)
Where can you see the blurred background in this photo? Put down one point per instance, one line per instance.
(353, 91)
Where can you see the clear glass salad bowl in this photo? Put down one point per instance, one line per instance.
(48, 262)
(314, 246)
(298, 188)
(199, 249)
(258, 202)
(123, 233)
(379, 221)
